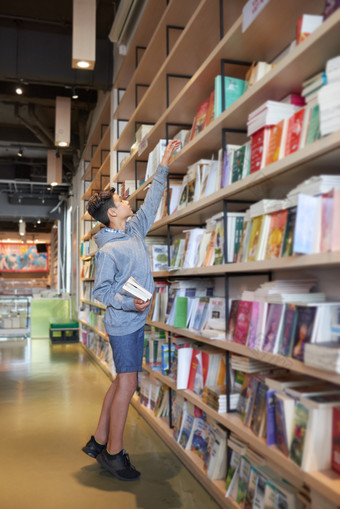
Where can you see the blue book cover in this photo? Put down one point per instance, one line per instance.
(271, 418)
(306, 224)
(233, 89)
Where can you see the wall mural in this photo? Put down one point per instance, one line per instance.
(22, 258)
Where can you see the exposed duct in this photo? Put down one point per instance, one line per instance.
(126, 15)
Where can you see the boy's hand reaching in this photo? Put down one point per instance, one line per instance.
(171, 147)
(140, 305)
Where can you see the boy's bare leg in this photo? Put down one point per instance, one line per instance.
(125, 388)
(102, 431)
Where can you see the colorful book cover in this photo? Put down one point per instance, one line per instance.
(307, 217)
(274, 315)
(254, 238)
(276, 139)
(259, 411)
(233, 89)
(199, 120)
(313, 132)
(242, 322)
(271, 429)
(287, 245)
(211, 110)
(238, 236)
(232, 319)
(259, 493)
(269, 496)
(336, 440)
(299, 433)
(304, 330)
(234, 462)
(294, 131)
(250, 495)
(243, 480)
(288, 330)
(193, 368)
(200, 438)
(226, 168)
(278, 221)
(219, 242)
(242, 402)
(250, 400)
(238, 163)
(258, 149)
(181, 312)
(254, 320)
(327, 200)
(280, 427)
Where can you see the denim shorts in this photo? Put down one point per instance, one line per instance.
(128, 351)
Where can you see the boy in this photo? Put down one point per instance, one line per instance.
(122, 253)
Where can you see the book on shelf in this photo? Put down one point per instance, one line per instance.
(256, 72)
(233, 89)
(133, 288)
(335, 460)
(200, 119)
(307, 24)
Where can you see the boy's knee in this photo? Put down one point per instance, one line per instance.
(127, 382)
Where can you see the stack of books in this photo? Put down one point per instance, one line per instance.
(329, 98)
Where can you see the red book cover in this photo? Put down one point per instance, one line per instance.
(198, 123)
(294, 131)
(193, 369)
(336, 441)
(276, 140)
(211, 110)
(243, 322)
(258, 149)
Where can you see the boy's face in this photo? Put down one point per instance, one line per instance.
(122, 209)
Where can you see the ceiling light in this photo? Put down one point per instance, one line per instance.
(39, 221)
(62, 121)
(84, 34)
(74, 93)
(19, 91)
(20, 220)
(20, 153)
(22, 228)
(83, 64)
(54, 168)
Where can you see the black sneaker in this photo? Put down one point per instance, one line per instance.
(92, 448)
(119, 465)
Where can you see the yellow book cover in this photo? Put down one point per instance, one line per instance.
(254, 238)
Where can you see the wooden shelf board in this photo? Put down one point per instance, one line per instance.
(325, 482)
(96, 162)
(86, 217)
(87, 279)
(189, 459)
(284, 173)
(96, 304)
(139, 194)
(95, 135)
(288, 263)
(101, 364)
(97, 331)
(100, 180)
(92, 232)
(146, 27)
(154, 67)
(270, 358)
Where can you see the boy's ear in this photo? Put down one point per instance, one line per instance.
(112, 212)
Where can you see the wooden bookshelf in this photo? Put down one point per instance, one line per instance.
(275, 359)
(103, 365)
(101, 127)
(190, 459)
(199, 58)
(100, 180)
(97, 331)
(327, 482)
(95, 304)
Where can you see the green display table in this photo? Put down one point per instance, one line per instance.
(43, 310)
(64, 331)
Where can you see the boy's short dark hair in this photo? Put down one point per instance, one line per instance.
(100, 203)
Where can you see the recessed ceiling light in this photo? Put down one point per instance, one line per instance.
(62, 144)
(19, 90)
(20, 153)
(83, 64)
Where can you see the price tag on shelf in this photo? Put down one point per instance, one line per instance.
(143, 145)
(251, 10)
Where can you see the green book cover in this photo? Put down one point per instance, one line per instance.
(243, 480)
(287, 244)
(181, 311)
(238, 163)
(314, 125)
(299, 433)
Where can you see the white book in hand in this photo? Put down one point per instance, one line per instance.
(132, 287)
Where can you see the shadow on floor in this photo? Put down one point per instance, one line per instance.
(153, 489)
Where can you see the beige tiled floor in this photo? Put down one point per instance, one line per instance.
(50, 397)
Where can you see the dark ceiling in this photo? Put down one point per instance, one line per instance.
(36, 51)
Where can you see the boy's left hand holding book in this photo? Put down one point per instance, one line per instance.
(140, 305)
